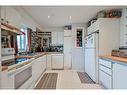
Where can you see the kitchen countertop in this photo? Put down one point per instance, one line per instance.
(36, 55)
(113, 58)
(54, 52)
(15, 66)
(3, 68)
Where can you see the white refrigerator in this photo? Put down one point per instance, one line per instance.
(91, 55)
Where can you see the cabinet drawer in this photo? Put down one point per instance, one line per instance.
(105, 69)
(105, 80)
(105, 63)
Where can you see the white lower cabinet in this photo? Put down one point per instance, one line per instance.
(49, 62)
(112, 74)
(17, 78)
(57, 61)
(38, 67)
(120, 76)
(105, 80)
(105, 73)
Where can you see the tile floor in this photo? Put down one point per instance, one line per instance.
(68, 79)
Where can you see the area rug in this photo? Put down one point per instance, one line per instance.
(84, 78)
(48, 81)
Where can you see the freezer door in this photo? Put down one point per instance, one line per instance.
(90, 41)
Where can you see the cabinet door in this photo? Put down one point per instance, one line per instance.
(43, 62)
(123, 28)
(13, 17)
(54, 38)
(105, 79)
(49, 61)
(67, 33)
(57, 61)
(119, 76)
(38, 67)
(60, 36)
(94, 27)
(3, 10)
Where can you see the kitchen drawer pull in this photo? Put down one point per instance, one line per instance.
(105, 66)
(105, 69)
(105, 72)
(106, 63)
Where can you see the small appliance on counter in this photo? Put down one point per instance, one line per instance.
(119, 53)
(115, 53)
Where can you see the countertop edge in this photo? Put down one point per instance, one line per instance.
(114, 59)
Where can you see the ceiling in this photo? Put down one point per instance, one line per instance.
(59, 16)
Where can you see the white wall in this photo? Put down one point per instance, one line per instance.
(77, 53)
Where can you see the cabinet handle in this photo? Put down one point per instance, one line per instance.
(126, 34)
(125, 42)
(7, 21)
(125, 25)
(126, 16)
(2, 19)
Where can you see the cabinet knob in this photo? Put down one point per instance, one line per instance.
(7, 21)
(125, 25)
(2, 19)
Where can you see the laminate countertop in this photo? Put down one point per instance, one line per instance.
(54, 52)
(36, 55)
(113, 58)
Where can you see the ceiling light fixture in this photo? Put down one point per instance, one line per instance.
(48, 17)
(70, 17)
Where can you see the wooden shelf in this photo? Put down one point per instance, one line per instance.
(11, 29)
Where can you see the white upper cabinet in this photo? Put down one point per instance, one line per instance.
(123, 28)
(67, 32)
(60, 36)
(54, 37)
(3, 16)
(94, 27)
(57, 37)
(13, 17)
